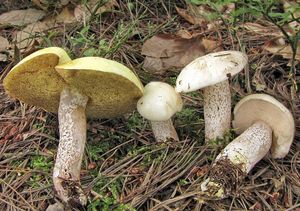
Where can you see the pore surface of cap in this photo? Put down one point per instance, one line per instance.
(159, 102)
(35, 81)
(210, 69)
(112, 88)
(267, 109)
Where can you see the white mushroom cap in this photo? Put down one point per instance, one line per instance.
(159, 102)
(210, 69)
(262, 107)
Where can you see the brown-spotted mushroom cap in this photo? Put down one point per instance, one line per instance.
(262, 107)
(35, 81)
(210, 69)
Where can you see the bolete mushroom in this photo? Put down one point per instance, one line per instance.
(264, 124)
(211, 73)
(94, 86)
(158, 104)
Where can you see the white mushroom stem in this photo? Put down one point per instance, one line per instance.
(217, 110)
(243, 153)
(164, 130)
(72, 130)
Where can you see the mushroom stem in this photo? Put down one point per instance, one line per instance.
(237, 159)
(72, 130)
(164, 130)
(217, 110)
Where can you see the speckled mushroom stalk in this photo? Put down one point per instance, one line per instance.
(158, 104)
(210, 72)
(262, 113)
(164, 130)
(72, 130)
(217, 110)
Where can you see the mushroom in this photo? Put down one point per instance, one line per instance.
(211, 72)
(98, 87)
(158, 104)
(264, 124)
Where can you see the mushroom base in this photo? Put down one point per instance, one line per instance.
(164, 131)
(72, 130)
(224, 179)
(237, 159)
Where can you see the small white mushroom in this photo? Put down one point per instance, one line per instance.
(158, 104)
(211, 73)
(264, 124)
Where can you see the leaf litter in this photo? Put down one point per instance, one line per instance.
(166, 51)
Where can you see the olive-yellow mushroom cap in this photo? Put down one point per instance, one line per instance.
(35, 81)
(159, 102)
(111, 87)
(210, 69)
(39, 79)
(262, 107)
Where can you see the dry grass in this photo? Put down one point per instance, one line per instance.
(122, 164)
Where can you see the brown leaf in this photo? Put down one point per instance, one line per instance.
(25, 37)
(66, 16)
(266, 30)
(3, 57)
(190, 17)
(165, 51)
(44, 4)
(81, 11)
(198, 15)
(290, 7)
(284, 50)
(4, 44)
(21, 17)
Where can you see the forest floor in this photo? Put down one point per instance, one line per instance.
(123, 167)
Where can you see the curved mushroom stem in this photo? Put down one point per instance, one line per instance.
(72, 130)
(217, 110)
(237, 159)
(164, 130)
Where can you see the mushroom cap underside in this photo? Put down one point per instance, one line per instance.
(210, 69)
(159, 102)
(263, 107)
(111, 87)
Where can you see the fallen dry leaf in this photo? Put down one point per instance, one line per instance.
(66, 16)
(81, 11)
(265, 30)
(3, 57)
(44, 4)
(21, 17)
(292, 7)
(284, 50)
(4, 44)
(198, 15)
(190, 17)
(165, 51)
(33, 31)
(25, 37)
